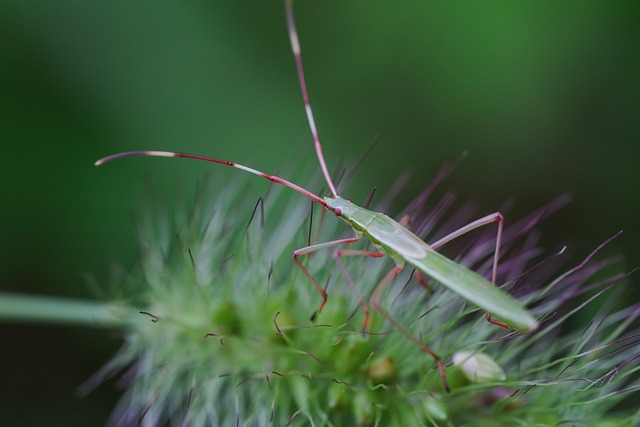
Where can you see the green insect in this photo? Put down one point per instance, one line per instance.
(389, 238)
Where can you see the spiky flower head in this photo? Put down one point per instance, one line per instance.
(223, 334)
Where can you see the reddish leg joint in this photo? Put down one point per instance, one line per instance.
(496, 322)
(313, 248)
(420, 278)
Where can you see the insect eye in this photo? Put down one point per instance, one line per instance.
(338, 212)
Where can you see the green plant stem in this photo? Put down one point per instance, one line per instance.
(44, 309)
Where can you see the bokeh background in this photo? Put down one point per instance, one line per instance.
(544, 95)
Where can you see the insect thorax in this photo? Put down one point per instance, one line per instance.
(359, 218)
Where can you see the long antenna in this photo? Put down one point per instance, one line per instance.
(295, 46)
(271, 178)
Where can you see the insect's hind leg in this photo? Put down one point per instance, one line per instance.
(375, 302)
(355, 252)
(312, 248)
(486, 220)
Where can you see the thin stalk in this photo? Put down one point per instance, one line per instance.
(65, 311)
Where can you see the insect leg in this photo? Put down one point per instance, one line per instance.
(486, 220)
(375, 302)
(354, 252)
(313, 248)
(420, 277)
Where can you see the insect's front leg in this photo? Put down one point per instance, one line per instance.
(313, 248)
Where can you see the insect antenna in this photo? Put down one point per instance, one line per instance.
(271, 178)
(295, 47)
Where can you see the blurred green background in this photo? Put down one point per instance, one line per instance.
(544, 95)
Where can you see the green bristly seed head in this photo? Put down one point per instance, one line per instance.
(227, 338)
(216, 325)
